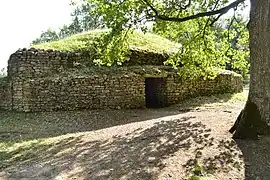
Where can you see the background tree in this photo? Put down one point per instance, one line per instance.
(235, 37)
(64, 32)
(82, 17)
(3, 72)
(47, 36)
(82, 20)
(127, 14)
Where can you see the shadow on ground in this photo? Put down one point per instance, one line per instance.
(256, 158)
(137, 155)
(26, 126)
(140, 154)
(224, 160)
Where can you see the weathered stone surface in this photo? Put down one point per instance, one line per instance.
(41, 80)
(5, 94)
(140, 57)
(34, 63)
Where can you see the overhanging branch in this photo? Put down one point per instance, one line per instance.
(220, 11)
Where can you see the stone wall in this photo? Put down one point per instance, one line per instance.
(93, 91)
(143, 57)
(99, 91)
(5, 94)
(50, 80)
(32, 63)
(225, 82)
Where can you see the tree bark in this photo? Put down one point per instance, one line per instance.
(254, 119)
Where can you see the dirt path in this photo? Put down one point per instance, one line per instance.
(168, 144)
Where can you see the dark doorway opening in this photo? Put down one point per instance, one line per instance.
(155, 92)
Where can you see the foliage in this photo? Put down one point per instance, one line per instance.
(47, 36)
(197, 170)
(198, 55)
(203, 50)
(198, 173)
(235, 40)
(194, 178)
(83, 20)
(3, 73)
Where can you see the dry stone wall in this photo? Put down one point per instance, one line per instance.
(94, 91)
(41, 80)
(143, 57)
(5, 94)
(34, 63)
(225, 82)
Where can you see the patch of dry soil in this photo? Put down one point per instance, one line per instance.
(166, 146)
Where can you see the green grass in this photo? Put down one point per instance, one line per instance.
(136, 40)
(24, 151)
(199, 178)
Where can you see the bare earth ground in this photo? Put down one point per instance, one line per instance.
(172, 143)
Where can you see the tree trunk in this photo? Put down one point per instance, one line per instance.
(254, 119)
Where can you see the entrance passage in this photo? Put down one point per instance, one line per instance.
(155, 92)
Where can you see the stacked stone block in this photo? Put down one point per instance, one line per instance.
(40, 80)
(5, 94)
(86, 92)
(179, 90)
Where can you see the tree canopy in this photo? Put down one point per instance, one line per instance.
(209, 40)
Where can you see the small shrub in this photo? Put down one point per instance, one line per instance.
(197, 170)
(194, 178)
(3, 73)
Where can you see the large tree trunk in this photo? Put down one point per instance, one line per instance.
(254, 119)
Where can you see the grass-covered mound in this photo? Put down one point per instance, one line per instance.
(143, 49)
(136, 40)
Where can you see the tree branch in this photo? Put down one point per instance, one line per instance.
(208, 20)
(151, 7)
(195, 16)
(216, 19)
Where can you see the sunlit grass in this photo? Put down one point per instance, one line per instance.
(12, 152)
(136, 40)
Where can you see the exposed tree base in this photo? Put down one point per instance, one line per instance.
(249, 123)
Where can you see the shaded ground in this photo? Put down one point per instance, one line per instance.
(171, 143)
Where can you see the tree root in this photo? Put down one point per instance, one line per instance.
(249, 123)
